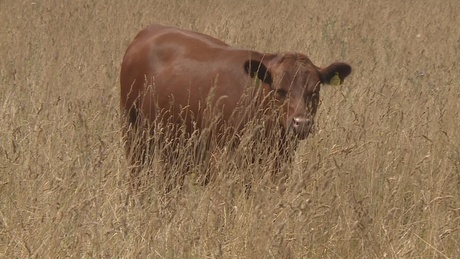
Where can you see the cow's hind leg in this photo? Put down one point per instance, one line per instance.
(139, 149)
(175, 165)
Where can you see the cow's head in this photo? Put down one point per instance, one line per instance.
(296, 81)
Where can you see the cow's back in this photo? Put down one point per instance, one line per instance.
(169, 68)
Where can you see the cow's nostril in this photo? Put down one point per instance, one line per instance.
(300, 122)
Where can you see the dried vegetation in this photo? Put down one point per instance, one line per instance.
(380, 178)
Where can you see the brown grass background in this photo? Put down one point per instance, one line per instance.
(380, 178)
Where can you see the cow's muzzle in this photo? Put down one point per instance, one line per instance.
(301, 126)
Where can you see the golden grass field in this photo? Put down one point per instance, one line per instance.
(380, 178)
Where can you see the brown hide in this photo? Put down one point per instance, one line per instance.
(187, 78)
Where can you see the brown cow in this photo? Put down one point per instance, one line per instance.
(185, 78)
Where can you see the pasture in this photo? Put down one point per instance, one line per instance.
(380, 178)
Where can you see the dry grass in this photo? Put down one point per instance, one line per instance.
(380, 178)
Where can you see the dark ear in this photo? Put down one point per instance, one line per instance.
(330, 73)
(257, 68)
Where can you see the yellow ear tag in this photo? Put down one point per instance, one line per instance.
(335, 80)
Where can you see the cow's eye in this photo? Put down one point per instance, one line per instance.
(281, 93)
(315, 98)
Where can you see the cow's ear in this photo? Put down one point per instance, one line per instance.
(257, 68)
(335, 73)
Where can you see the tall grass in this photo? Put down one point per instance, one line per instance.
(380, 177)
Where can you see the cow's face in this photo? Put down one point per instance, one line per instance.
(295, 83)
